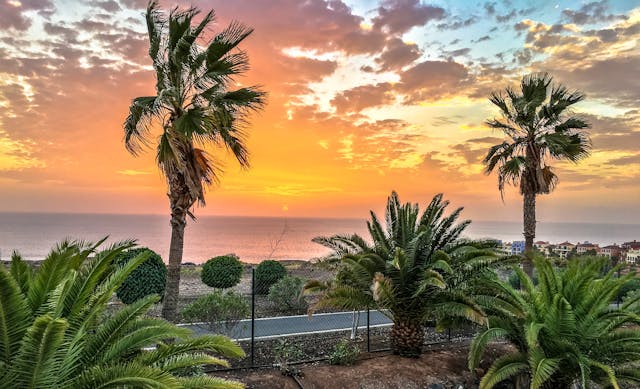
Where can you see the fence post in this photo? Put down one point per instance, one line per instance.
(449, 334)
(253, 314)
(368, 333)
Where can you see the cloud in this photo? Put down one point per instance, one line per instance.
(591, 13)
(397, 54)
(432, 80)
(12, 12)
(359, 98)
(399, 16)
(132, 172)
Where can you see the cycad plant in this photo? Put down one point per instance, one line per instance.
(404, 271)
(564, 330)
(540, 128)
(195, 105)
(55, 332)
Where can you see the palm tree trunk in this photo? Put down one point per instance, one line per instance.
(529, 210)
(172, 290)
(407, 337)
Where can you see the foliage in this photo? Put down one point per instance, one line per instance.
(539, 128)
(407, 270)
(195, 106)
(287, 352)
(630, 286)
(53, 333)
(564, 330)
(268, 273)
(222, 272)
(287, 296)
(345, 353)
(147, 279)
(221, 311)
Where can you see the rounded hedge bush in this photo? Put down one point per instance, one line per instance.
(222, 272)
(268, 273)
(148, 278)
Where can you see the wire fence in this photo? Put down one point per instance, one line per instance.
(268, 316)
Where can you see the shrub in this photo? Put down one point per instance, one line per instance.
(147, 279)
(54, 334)
(286, 295)
(286, 353)
(221, 311)
(268, 273)
(222, 272)
(344, 353)
(631, 286)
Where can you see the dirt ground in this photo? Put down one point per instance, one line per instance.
(444, 365)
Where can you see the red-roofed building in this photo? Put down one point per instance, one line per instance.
(563, 249)
(611, 251)
(582, 248)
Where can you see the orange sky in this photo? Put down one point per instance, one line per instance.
(364, 97)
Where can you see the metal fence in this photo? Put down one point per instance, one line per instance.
(270, 321)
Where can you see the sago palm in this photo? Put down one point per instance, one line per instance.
(195, 105)
(539, 127)
(55, 332)
(565, 330)
(403, 271)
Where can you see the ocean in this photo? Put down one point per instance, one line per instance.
(253, 239)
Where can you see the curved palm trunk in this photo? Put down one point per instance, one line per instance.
(529, 213)
(407, 337)
(172, 290)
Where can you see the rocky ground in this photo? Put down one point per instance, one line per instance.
(440, 367)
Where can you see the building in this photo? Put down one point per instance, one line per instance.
(583, 248)
(633, 256)
(543, 247)
(611, 251)
(563, 249)
(635, 245)
(517, 247)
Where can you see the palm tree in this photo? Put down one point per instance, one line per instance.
(539, 129)
(404, 271)
(564, 329)
(55, 331)
(194, 107)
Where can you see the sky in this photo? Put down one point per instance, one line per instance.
(364, 97)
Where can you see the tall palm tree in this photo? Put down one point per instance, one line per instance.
(404, 271)
(55, 331)
(539, 128)
(564, 330)
(194, 107)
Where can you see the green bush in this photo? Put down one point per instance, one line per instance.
(148, 278)
(345, 353)
(286, 295)
(220, 311)
(222, 272)
(268, 273)
(631, 286)
(285, 354)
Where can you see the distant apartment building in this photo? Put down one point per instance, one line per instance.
(611, 251)
(543, 247)
(583, 248)
(517, 247)
(563, 249)
(633, 256)
(635, 245)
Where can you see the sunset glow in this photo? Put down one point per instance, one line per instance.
(365, 97)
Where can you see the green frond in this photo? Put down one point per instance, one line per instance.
(207, 382)
(504, 367)
(14, 317)
(479, 343)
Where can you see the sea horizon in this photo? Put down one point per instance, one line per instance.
(252, 238)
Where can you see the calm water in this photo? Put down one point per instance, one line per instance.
(252, 238)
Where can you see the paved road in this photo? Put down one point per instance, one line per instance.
(273, 327)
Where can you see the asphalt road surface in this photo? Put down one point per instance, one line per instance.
(275, 327)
